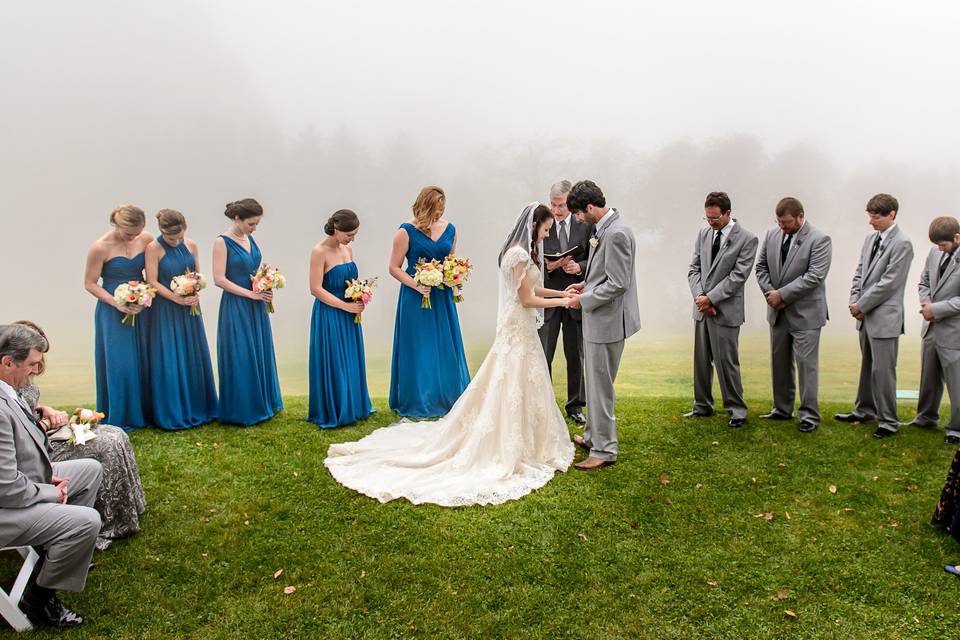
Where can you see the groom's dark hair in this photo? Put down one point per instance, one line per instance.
(585, 192)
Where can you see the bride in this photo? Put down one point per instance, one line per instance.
(505, 436)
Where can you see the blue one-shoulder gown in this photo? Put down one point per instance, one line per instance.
(429, 369)
(246, 363)
(182, 386)
(120, 352)
(338, 372)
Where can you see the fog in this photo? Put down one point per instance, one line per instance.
(310, 107)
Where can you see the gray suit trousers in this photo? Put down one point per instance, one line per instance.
(600, 433)
(877, 391)
(67, 532)
(938, 365)
(715, 345)
(800, 347)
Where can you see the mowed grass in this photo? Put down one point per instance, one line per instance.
(665, 544)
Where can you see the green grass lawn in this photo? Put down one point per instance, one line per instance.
(665, 544)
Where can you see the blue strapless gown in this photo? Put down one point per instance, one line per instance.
(338, 371)
(120, 352)
(246, 363)
(429, 369)
(182, 386)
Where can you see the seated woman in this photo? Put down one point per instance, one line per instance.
(120, 500)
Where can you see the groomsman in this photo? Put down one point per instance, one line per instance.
(792, 271)
(940, 308)
(876, 302)
(723, 256)
(566, 233)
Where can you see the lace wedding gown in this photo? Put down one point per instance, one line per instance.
(504, 437)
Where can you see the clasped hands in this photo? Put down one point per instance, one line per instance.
(704, 305)
(855, 311)
(774, 300)
(926, 310)
(573, 293)
(567, 263)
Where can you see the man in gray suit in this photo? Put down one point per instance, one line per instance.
(611, 314)
(792, 271)
(940, 308)
(723, 257)
(567, 233)
(44, 505)
(876, 302)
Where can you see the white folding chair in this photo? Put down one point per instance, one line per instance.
(10, 602)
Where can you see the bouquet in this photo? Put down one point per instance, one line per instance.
(361, 290)
(428, 274)
(189, 284)
(268, 278)
(455, 273)
(81, 426)
(133, 293)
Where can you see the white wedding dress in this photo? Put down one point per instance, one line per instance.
(504, 437)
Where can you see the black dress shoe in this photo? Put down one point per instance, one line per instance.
(883, 433)
(696, 414)
(852, 417)
(806, 426)
(577, 417)
(775, 415)
(737, 422)
(51, 613)
(952, 439)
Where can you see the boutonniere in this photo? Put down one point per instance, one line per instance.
(594, 242)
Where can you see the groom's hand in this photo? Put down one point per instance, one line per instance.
(574, 302)
(576, 287)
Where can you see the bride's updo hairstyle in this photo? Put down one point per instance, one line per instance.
(540, 215)
(171, 222)
(427, 207)
(343, 220)
(243, 209)
(128, 216)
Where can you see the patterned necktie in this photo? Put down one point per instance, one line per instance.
(564, 243)
(716, 246)
(876, 249)
(785, 249)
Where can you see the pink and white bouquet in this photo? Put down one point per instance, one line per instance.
(189, 284)
(428, 274)
(360, 290)
(81, 426)
(268, 278)
(133, 293)
(455, 273)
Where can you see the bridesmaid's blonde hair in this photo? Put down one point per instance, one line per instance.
(427, 207)
(128, 217)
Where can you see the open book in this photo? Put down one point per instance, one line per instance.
(572, 251)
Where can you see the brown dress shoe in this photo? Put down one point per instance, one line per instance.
(578, 440)
(592, 463)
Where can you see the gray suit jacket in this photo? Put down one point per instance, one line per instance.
(579, 234)
(25, 469)
(943, 294)
(801, 280)
(611, 310)
(878, 287)
(722, 281)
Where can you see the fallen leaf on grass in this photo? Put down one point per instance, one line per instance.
(781, 594)
(582, 536)
(753, 481)
(712, 583)
(216, 445)
(847, 510)
(698, 486)
(791, 614)
(667, 501)
(296, 475)
(833, 488)
(787, 514)
(714, 443)
(289, 590)
(768, 516)
(633, 595)
(664, 479)
(634, 525)
(363, 574)
(277, 573)
(782, 466)
(204, 555)
(246, 523)
(894, 525)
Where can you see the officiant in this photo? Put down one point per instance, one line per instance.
(565, 253)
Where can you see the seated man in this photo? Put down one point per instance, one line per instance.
(42, 504)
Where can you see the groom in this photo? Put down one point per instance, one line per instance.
(611, 314)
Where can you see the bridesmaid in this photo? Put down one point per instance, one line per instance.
(429, 369)
(181, 374)
(338, 373)
(120, 351)
(247, 366)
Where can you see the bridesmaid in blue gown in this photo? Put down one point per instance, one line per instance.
(120, 350)
(338, 372)
(246, 363)
(429, 369)
(182, 388)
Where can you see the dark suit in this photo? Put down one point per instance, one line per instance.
(557, 318)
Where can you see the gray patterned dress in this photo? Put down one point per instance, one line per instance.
(120, 500)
